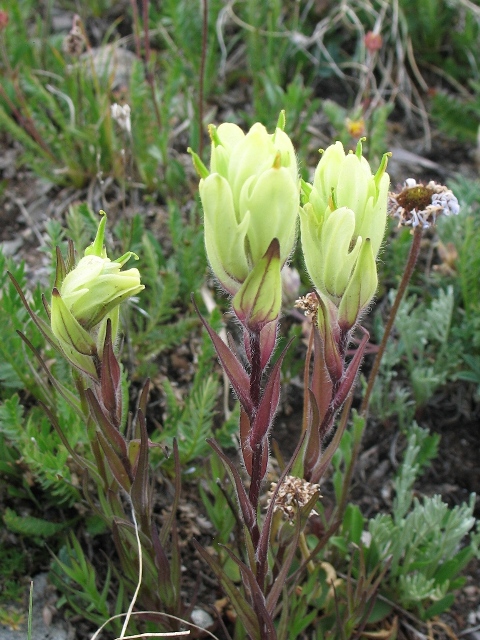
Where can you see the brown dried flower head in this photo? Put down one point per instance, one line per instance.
(74, 42)
(419, 204)
(294, 493)
(308, 304)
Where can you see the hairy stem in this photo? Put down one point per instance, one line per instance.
(255, 394)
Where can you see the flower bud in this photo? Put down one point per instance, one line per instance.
(259, 299)
(360, 289)
(249, 198)
(96, 286)
(86, 297)
(342, 224)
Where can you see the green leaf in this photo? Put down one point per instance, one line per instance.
(451, 568)
(439, 607)
(32, 527)
(353, 523)
(381, 610)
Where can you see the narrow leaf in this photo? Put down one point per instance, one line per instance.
(269, 402)
(115, 465)
(234, 371)
(314, 443)
(110, 379)
(170, 519)
(111, 433)
(280, 580)
(140, 487)
(263, 543)
(242, 607)
(256, 594)
(163, 569)
(61, 269)
(245, 505)
(351, 373)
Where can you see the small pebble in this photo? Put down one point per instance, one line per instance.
(202, 618)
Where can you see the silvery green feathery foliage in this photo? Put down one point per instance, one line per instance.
(423, 538)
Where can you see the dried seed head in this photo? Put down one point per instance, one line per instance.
(419, 204)
(74, 42)
(294, 493)
(308, 304)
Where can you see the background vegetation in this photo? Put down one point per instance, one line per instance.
(405, 74)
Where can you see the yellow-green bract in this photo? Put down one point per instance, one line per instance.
(342, 225)
(88, 296)
(250, 197)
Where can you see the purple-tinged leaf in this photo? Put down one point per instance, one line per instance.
(176, 568)
(235, 372)
(268, 340)
(245, 430)
(61, 269)
(114, 463)
(351, 373)
(99, 459)
(246, 508)
(319, 468)
(163, 569)
(281, 578)
(322, 385)
(111, 433)
(47, 308)
(110, 380)
(263, 543)
(71, 257)
(331, 351)
(170, 519)
(245, 426)
(142, 402)
(313, 449)
(269, 401)
(140, 491)
(256, 594)
(242, 607)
